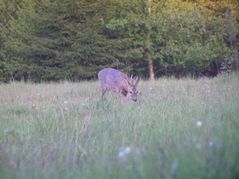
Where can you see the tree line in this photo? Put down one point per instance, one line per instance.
(50, 40)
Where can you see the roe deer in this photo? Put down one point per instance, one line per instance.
(116, 81)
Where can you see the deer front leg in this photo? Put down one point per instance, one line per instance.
(123, 97)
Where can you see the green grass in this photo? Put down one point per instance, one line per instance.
(65, 130)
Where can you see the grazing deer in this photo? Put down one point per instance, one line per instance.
(116, 81)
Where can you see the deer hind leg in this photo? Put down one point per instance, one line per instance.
(103, 90)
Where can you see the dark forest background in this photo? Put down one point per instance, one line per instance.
(50, 40)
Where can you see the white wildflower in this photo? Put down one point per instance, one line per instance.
(199, 123)
(210, 143)
(65, 102)
(123, 152)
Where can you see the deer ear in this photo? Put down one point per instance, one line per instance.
(130, 82)
(136, 80)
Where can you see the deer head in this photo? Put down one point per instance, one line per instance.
(132, 92)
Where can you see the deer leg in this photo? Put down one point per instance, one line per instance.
(103, 90)
(103, 93)
(123, 97)
(124, 100)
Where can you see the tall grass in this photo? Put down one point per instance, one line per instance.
(178, 129)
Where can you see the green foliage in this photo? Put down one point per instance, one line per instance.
(56, 40)
(185, 38)
(189, 40)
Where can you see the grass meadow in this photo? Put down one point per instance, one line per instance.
(179, 128)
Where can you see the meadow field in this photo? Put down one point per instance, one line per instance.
(179, 128)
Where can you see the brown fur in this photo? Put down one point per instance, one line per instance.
(116, 81)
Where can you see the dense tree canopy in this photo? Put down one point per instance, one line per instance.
(73, 39)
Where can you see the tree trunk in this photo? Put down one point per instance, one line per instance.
(148, 46)
(150, 67)
(232, 38)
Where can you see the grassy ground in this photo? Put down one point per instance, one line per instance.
(179, 129)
